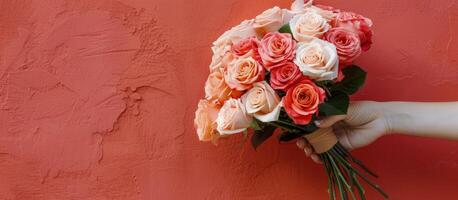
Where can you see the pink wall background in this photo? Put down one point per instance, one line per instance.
(97, 100)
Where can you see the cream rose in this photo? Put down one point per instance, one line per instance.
(205, 121)
(233, 118)
(327, 14)
(222, 46)
(299, 6)
(243, 72)
(262, 102)
(317, 59)
(271, 20)
(306, 27)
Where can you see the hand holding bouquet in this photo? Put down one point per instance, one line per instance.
(282, 71)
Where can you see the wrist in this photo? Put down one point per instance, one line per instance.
(387, 115)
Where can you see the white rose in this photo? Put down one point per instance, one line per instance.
(262, 102)
(233, 118)
(306, 27)
(317, 59)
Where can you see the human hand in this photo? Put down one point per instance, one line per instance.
(363, 124)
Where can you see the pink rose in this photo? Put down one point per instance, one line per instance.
(243, 72)
(247, 47)
(233, 118)
(205, 121)
(285, 75)
(347, 43)
(302, 100)
(276, 49)
(359, 24)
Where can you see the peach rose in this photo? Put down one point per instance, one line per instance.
(301, 101)
(317, 59)
(271, 20)
(220, 62)
(262, 102)
(222, 46)
(347, 44)
(205, 121)
(243, 72)
(233, 118)
(216, 89)
(308, 26)
(276, 49)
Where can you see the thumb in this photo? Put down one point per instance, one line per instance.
(329, 121)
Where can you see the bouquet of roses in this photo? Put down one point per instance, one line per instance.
(282, 71)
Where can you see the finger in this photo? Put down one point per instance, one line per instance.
(308, 150)
(316, 159)
(342, 136)
(329, 121)
(301, 143)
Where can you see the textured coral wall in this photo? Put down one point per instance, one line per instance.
(97, 100)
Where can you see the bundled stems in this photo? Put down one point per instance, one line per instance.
(343, 176)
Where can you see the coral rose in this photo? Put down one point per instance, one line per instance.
(317, 59)
(302, 100)
(276, 49)
(243, 72)
(285, 75)
(262, 102)
(205, 121)
(347, 44)
(247, 47)
(233, 118)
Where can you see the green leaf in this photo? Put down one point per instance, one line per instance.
(261, 136)
(354, 78)
(285, 29)
(256, 125)
(337, 104)
(288, 136)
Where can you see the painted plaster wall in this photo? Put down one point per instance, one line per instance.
(97, 100)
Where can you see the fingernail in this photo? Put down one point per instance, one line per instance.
(308, 151)
(300, 143)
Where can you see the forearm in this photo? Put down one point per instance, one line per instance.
(422, 119)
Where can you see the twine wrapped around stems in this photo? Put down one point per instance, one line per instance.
(322, 140)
